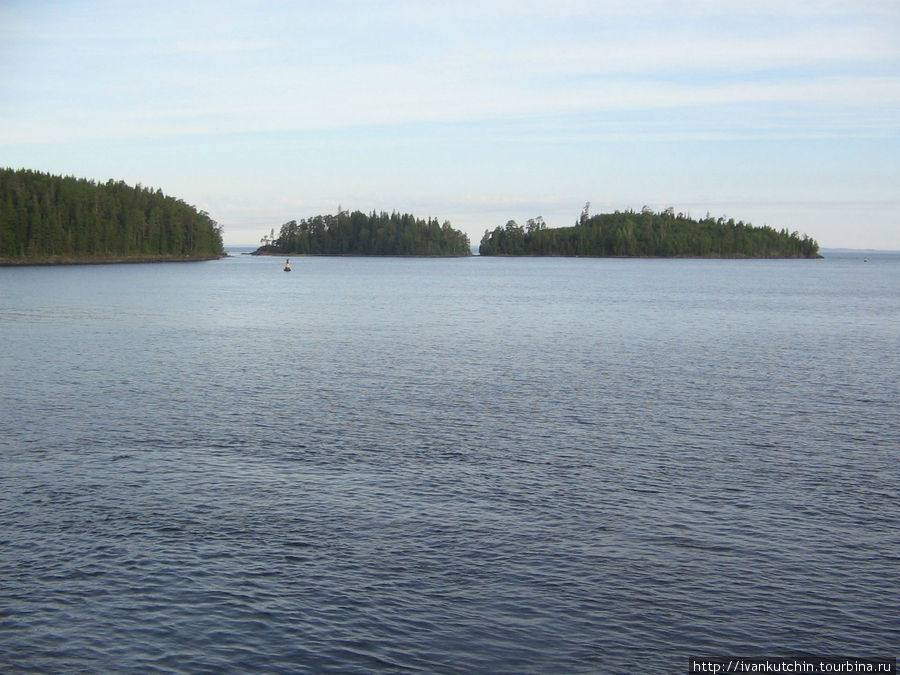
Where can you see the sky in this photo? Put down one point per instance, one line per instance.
(776, 112)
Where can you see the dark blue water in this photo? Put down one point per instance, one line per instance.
(453, 466)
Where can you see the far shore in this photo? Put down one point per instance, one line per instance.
(104, 260)
(270, 254)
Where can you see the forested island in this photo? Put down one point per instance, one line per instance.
(47, 219)
(357, 233)
(647, 234)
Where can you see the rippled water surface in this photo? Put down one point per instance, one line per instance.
(466, 465)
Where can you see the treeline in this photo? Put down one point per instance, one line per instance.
(55, 218)
(374, 234)
(648, 234)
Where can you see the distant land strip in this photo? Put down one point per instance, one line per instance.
(57, 220)
(372, 234)
(107, 260)
(622, 234)
(647, 235)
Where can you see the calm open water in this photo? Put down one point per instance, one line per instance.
(450, 466)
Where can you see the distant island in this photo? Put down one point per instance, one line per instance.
(647, 234)
(47, 219)
(357, 233)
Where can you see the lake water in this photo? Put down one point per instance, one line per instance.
(466, 465)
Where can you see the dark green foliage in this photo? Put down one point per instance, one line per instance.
(374, 234)
(45, 217)
(649, 234)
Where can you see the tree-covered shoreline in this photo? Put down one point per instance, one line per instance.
(647, 234)
(53, 220)
(357, 233)
(103, 260)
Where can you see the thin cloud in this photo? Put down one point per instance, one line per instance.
(218, 46)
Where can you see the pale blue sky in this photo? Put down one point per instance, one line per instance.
(775, 112)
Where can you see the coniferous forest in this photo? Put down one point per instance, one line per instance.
(374, 234)
(46, 218)
(647, 234)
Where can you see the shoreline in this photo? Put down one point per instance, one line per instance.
(654, 257)
(104, 260)
(356, 255)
